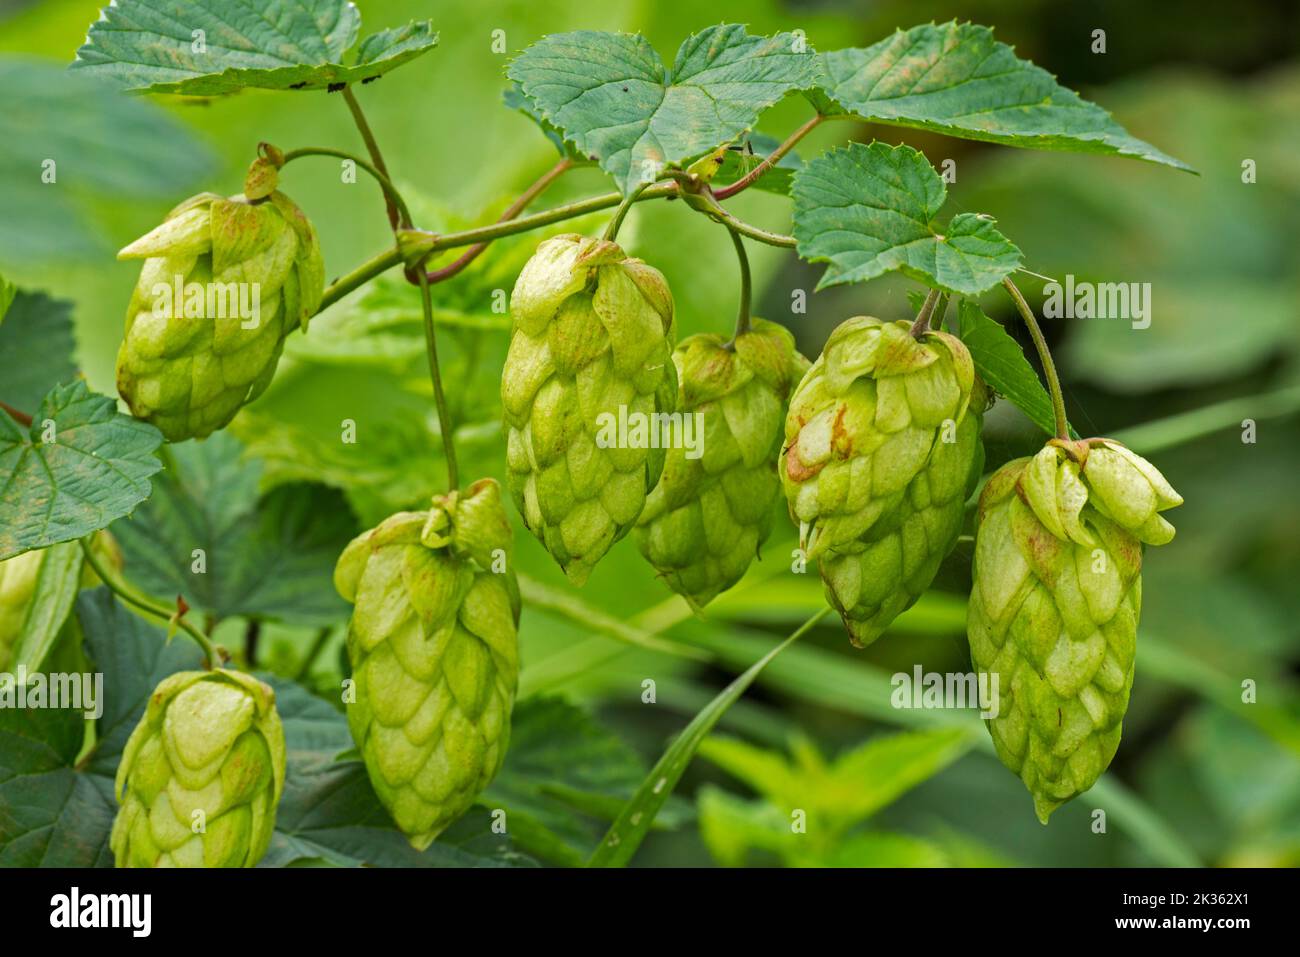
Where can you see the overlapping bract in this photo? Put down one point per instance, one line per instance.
(433, 647)
(589, 366)
(201, 775)
(712, 508)
(248, 274)
(882, 446)
(1055, 602)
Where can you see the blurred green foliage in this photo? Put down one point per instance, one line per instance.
(1220, 602)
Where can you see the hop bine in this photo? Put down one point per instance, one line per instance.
(201, 775)
(712, 509)
(1054, 606)
(224, 282)
(591, 350)
(881, 449)
(434, 655)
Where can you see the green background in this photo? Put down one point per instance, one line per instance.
(1213, 85)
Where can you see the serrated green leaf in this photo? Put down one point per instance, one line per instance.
(94, 471)
(1002, 364)
(270, 557)
(36, 348)
(869, 210)
(954, 78)
(514, 99)
(616, 103)
(213, 47)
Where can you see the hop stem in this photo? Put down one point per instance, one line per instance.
(742, 317)
(1049, 367)
(435, 376)
(922, 323)
(611, 231)
(397, 213)
(123, 590)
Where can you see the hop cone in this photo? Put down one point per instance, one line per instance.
(867, 469)
(705, 520)
(432, 643)
(19, 578)
(189, 368)
(880, 574)
(201, 775)
(1054, 606)
(591, 348)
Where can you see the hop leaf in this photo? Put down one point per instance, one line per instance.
(1054, 606)
(712, 509)
(433, 648)
(201, 775)
(192, 357)
(591, 348)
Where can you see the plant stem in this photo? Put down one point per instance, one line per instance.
(1045, 356)
(372, 147)
(393, 198)
(742, 317)
(22, 418)
(317, 646)
(770, 160)
(705, 202)
(922, 324)
(427, 243)
(611, 231)
(124, 591)
(435, 376)
(252, 636)
(515, 208)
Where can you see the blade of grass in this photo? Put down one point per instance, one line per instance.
(629, 830)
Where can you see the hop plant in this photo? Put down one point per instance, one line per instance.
(1054, 606)
(19, 579)
(201, 774)
(432, 642)
(712, 508)
(591, 349)
(879, 575)
(880, 444)
(188, 367)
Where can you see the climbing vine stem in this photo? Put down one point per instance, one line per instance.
(742, 317)
(445, 425)
(1049, 367)
(212, 654)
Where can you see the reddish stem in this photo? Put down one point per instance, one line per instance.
(22, 418)
(514, 209)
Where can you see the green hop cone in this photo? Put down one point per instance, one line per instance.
(880, 442)
(434, 653)
(201, 774)
(249, 274)
(1054, 606)
(20, 577)
(591, 350)
(879, 575)
(712, 509)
